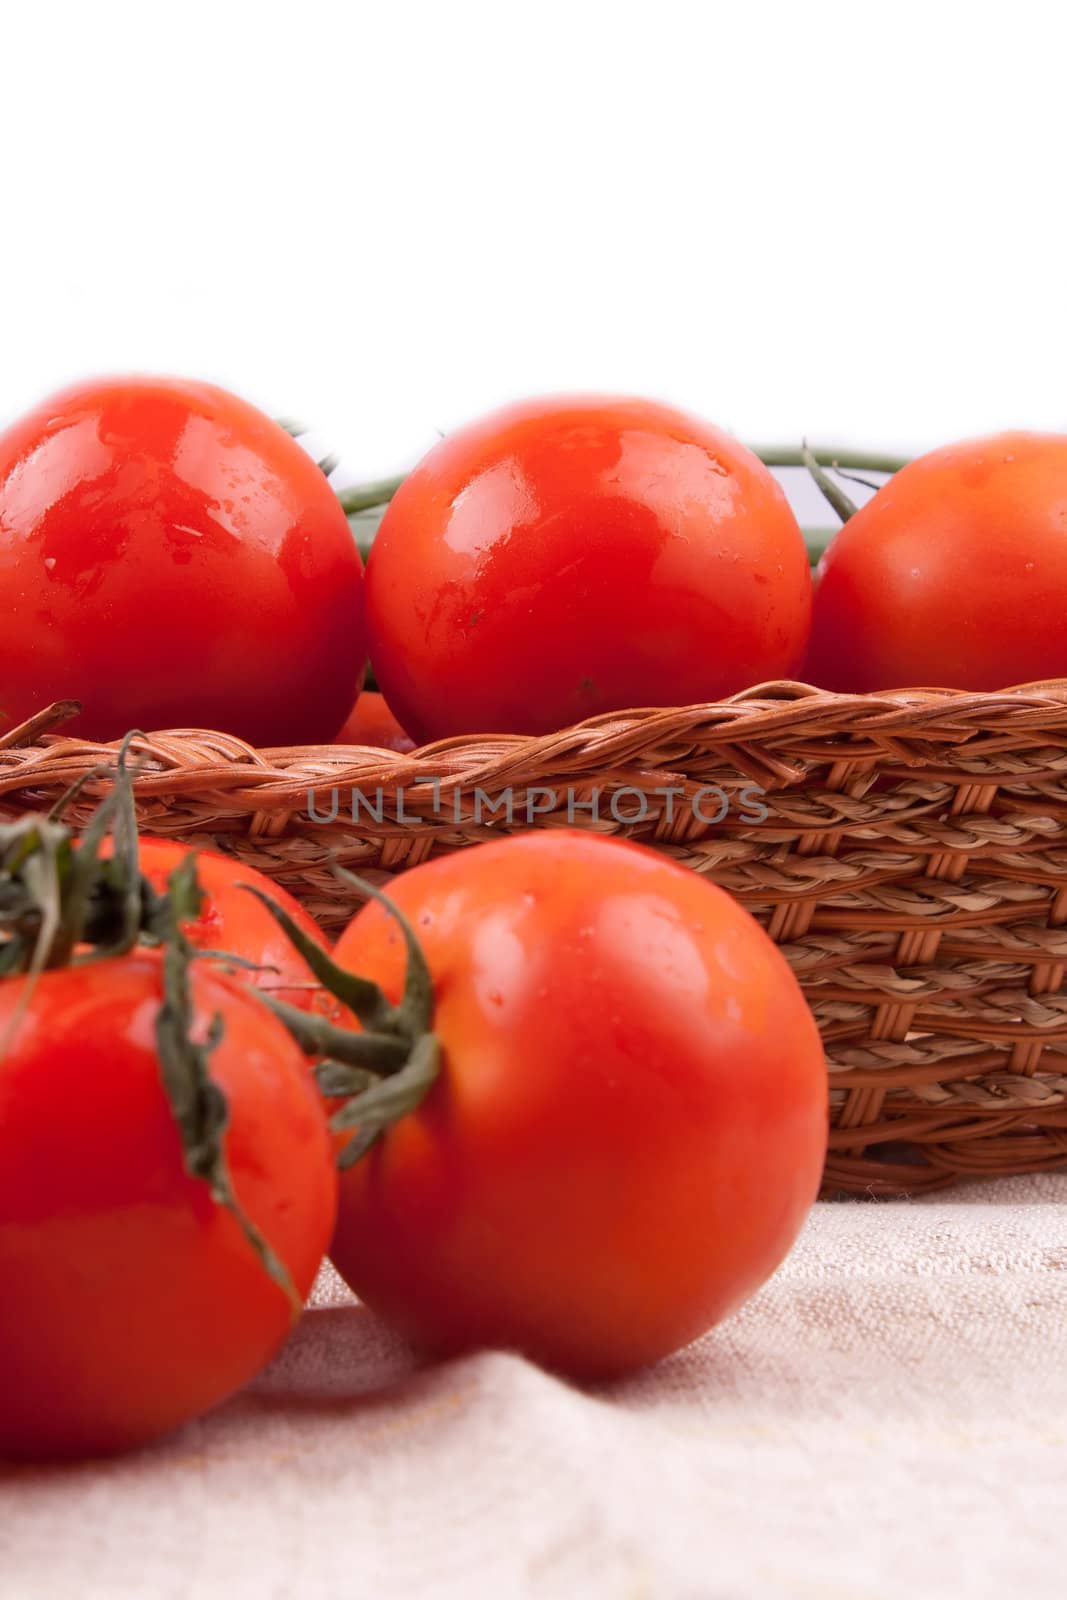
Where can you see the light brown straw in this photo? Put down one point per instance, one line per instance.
(912, 866)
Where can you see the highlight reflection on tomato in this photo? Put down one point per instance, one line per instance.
(170, 557)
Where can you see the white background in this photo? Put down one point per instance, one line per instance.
(845, 221)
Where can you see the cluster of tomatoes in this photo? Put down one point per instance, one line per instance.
(172, 557)
(557, 1094)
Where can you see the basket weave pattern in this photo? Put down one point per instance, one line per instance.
(912, 866)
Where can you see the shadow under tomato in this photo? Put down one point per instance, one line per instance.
(335, 1353)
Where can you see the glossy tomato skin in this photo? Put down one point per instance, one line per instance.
(170, 557)
(133, 1301)
(631, 1119)
(372, 723)
(233, 920)
(562, 558)
(954, 575)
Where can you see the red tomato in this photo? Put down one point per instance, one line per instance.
(631, 1118)
(172, 558)
(566, 557)
(134, 1301)
(373, 723)
(231, 919)
(953, 576)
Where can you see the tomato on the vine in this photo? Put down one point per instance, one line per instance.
(171, 557)
(566, 557)
(629, 1118)
(954, 575)
(134, 1298)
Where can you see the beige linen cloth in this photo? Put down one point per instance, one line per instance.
(887, 1418)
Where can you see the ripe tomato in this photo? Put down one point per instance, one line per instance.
(953, 576)
(566, 557)
(172, 558)
(134, 1301)
(630, 1120)
(373, 723)
(233, 920)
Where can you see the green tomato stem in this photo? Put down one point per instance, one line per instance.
(859, 460)
(828, 487)
(365, 496)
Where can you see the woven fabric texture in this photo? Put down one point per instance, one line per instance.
(887, 1416)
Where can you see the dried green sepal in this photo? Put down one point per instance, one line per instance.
(55, 899)
(384, 1072)
(386, 1101)
(381, 1053)
(197, 1103)
(414, 1014)
(363, 998)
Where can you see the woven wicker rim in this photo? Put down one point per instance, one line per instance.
(912, 868)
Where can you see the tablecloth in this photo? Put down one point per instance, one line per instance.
(887, 1417)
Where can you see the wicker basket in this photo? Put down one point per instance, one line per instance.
(911, 864)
